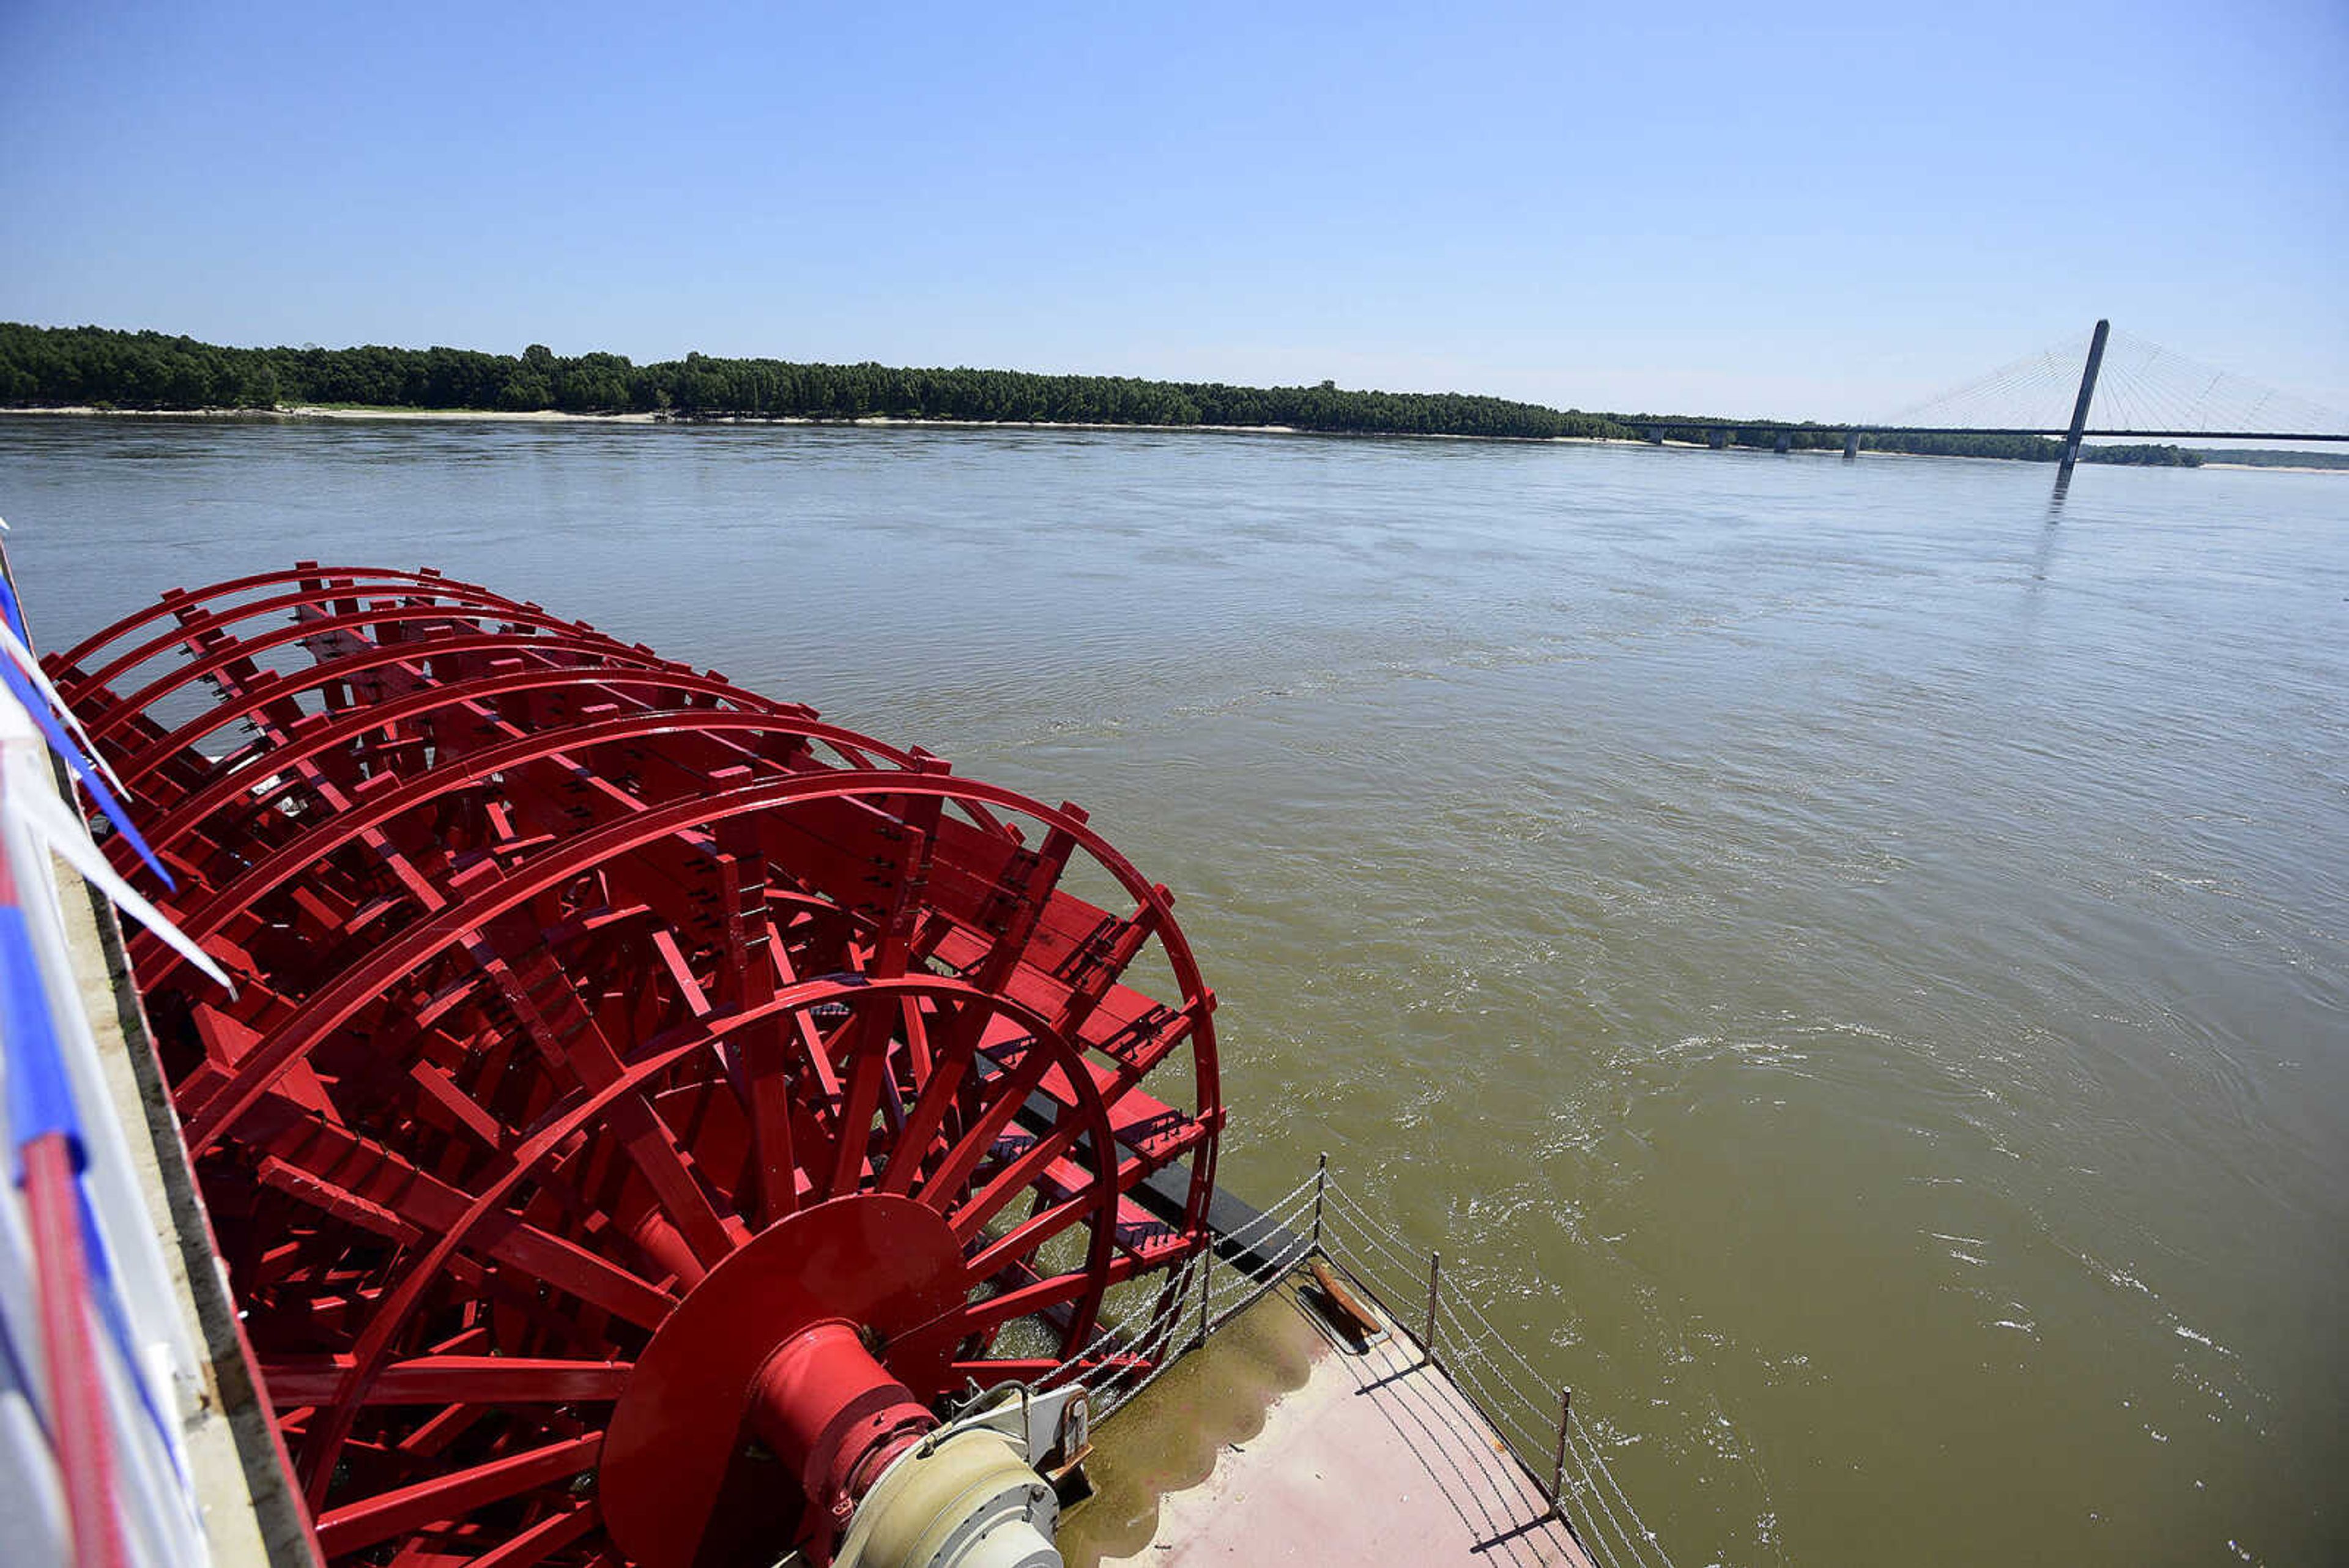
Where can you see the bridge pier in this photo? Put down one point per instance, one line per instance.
(1785, 441)
(1850, 445)
(1655, 435)
(1716, 438)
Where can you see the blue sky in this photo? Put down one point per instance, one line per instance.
(1830, 213)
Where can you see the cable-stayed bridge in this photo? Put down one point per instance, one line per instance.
(2103, 384)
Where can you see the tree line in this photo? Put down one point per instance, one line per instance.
(149, 370)
(1820, 437)
(2034, 449)
(2269, 457)
(94, 366)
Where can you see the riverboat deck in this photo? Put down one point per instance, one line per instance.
(1378, 1456)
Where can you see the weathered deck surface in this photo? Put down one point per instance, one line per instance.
(1374, 1460)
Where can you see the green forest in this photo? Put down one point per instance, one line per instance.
(45, 367)
(2270, 458)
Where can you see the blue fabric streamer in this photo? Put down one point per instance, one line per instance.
(40, 1100)
(79, 764)
(108, 1298)
(11, 614)
(40, 1096)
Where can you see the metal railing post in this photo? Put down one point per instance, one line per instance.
(1321, 1186)
(1558, 1470)
(1435, 1278)
(1206, 1278)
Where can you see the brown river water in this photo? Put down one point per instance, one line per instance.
(1852, 970)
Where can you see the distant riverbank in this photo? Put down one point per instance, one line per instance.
(326, 412)
(100, 368)
(866, 422)
(356, 411)
(93, 372)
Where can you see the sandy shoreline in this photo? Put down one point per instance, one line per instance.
(309, 412)
(869, 421)
(557, 416)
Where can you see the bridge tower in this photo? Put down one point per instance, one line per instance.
(2080, 408)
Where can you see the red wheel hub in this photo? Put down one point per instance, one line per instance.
(787, 1338)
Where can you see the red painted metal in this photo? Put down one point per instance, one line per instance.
(887, 1265)
(645, 1107)
(85, 1449)
(834, 1415)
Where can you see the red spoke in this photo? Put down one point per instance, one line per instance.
(1011, 1090)
(1024, 1239)
(1058, 1290)
(1023, 1173)
(391, 1185)
(450, 1380)
(868, 1063)
(435, 1436)
(771, 1122)
(571, 1034)
(929, 1116)
(815, 1052)
(358, 1525)
(542, 1540)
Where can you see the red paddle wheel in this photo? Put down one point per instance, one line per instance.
(647, 1113)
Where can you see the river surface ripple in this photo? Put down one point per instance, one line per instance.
(1850, 970)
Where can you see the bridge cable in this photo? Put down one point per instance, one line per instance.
(2143, 386)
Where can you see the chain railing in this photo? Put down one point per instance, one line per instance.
(1126, 1356)
(1546, 1434)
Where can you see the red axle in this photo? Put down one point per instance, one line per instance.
(834, 1415)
